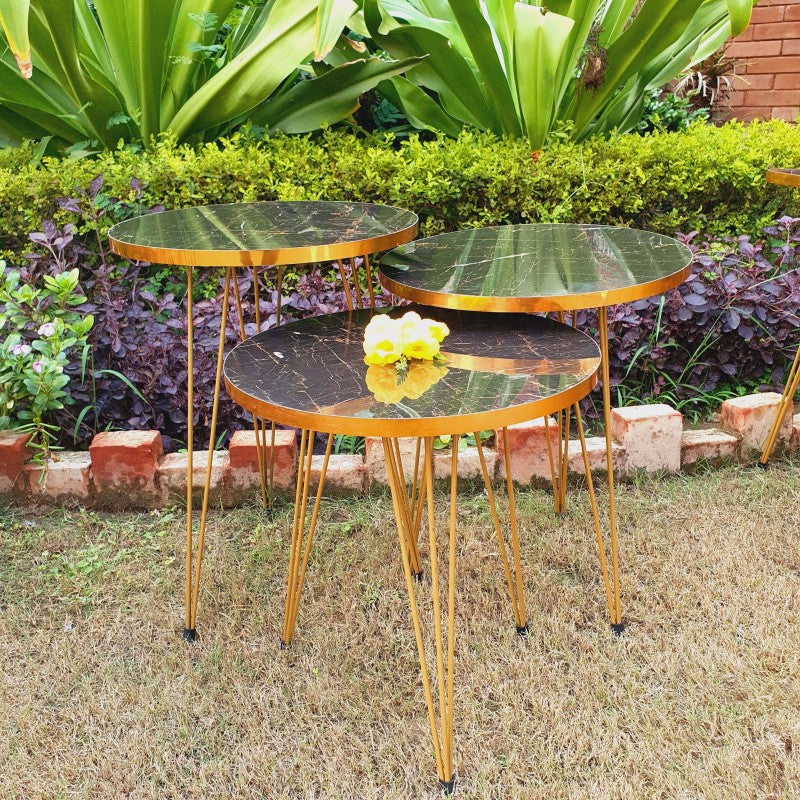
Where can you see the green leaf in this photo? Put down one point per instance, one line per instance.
(126, 381)
(740, 12)
(332, 16)
(255, 72)
(445, 71)
(310, 104)
(656, 27)
(539, 44)
(14, 22)
(419, 107)
(482, 45)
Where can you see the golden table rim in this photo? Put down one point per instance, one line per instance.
(573, 301)
(261, 257)
(414, 426)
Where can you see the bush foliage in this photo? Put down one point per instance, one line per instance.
(728, 330)
(709, 179)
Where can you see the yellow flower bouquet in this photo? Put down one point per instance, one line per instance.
(403, 342)
(396, 341)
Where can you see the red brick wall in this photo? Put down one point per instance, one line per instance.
(768, 53)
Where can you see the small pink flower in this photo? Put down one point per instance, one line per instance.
(38, 366)
(48, 329)
(20, 350)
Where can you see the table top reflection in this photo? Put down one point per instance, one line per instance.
(261, 234)
(537, 267)
(496, 371)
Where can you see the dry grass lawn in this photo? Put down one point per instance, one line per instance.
(100, 697)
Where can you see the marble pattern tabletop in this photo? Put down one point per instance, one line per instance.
(266, 233)
(536, 267)
(497, 370)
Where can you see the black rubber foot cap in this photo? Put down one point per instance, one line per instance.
(447, 786)
(522, 630)
(190, 634)
(284, 645)
(418, 576)
(619, 628)
(763, 464)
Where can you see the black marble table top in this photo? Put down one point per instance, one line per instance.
(268, 233)
(535, 267)
(498, 370)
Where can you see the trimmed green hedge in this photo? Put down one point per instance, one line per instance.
(707, 178)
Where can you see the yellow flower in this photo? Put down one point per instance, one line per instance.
(420, 344)
(417, 341)
(437, 329)
(386, 340)
(382, 340)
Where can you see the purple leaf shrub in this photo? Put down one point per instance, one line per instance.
(730, 328)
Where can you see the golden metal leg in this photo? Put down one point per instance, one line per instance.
(279, 295)
(787, 401)
(193, 576)
(345, 285)
(271, 475)
(552, 462)
(410, 506)
(370, 284)
(559, 463)
(188, 630)
(515, 585)
(601, 549)
(266, 458)
(417, 498)
(260, 456)
(564, 461)
(258, 423)
(602, 324)
(302, 539)
(356, 284)
(441, 730)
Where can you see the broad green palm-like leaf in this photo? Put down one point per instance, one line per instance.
(130, 69)
(14, 23)
(520, 67)
(310, 104)
(540, 42)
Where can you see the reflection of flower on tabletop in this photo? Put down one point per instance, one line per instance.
(390, 386)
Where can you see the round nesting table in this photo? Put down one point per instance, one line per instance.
(544, 268)
(252, 236)
(783, 177)
(497, 371)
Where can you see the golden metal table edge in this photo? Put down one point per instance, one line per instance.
(535, 303)
(284, 256)
(412, 427)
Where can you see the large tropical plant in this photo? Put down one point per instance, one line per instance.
(107, 70)
(519, 67)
